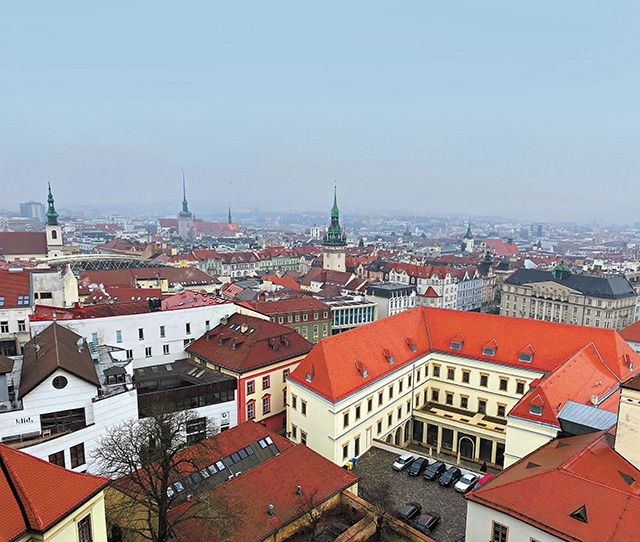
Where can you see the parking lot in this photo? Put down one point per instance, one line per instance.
(374, 468)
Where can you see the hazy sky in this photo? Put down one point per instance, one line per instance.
(524, 109)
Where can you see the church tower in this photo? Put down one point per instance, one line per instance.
(53, 229)
(334, 242)
(185, 217)
(467, 240)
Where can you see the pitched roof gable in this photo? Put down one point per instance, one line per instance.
(23, 243)
(36, 494)
(56, 347)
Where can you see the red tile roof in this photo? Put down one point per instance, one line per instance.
(285, 281)
(333, 359)
(273, 482)
(500, 248)
(631, 333)
(23, 243)
(546, 487)
(36, 494)
(13, 284)
(245, 343)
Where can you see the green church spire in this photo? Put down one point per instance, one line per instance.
(335, 236)
(51, 214)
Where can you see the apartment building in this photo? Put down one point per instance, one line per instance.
(562, 296)
(485, 387)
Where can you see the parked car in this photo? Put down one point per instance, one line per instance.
(434, 470)
(409, 511)
(426, 522)
(417, 467)
(450, 476)
(484, 479)
(466, 483)
(404, 461)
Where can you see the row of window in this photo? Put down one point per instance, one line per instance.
(305, 317)
(162, 329)
(148, 350)
(483, 381)
(4, 326)
(266, 407)
(77, 456)
(449, 396)
(294, 434)
(266, 382)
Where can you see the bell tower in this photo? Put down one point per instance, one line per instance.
(53, 229)
(334, 242)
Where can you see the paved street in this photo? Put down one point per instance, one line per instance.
(374, 468)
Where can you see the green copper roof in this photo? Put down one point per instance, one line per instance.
(51, 214)
(335, 236)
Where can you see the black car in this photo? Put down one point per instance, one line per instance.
(409, 511)
(434, 470)
(450, 477)
(418, 466)
(426, 522)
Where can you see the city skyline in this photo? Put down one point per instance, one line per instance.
(526, 112)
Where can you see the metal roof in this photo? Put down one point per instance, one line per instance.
(586, 416)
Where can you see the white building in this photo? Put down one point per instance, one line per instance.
(391, 298)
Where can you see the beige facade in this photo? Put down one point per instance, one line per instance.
(555, 302)
(628, 431)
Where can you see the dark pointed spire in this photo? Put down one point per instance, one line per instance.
(334, 210)
(229, 217)
(185, 206)
(51, 214)
(335, 236)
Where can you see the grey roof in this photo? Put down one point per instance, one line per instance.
(606, 287)
(577, 418)
(389, 289)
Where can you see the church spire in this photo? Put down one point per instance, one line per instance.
(334, 210)
(51, 214)
(229, 217)
(335, 236)
(185, 206)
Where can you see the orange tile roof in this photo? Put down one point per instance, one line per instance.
(239, 348)
(36, 494)
(632, 332)
(290, 305)
(333, 359)
(546, 487)
(273, 482)
(14, 284)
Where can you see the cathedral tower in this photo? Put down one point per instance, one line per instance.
(53, 229)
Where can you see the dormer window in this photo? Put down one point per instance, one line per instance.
(310, 373)
(412, 344)
(526, 357)
(456, 345)
(362, 369)
(536, 409)
(387, 354)
(488, 351)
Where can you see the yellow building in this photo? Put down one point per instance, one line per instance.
(41, 501)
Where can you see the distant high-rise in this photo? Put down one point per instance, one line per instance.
(334, 241)
(32, 209)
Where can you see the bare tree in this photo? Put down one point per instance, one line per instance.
(379, 494)
(144, 457)
(308, 507)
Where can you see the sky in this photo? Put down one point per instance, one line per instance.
(528, 110)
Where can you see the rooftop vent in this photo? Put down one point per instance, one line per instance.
(270, 511)
(580, 514)
(387, 354)
(299, 492)
(310, 373)
(364, 372)
(411, 344)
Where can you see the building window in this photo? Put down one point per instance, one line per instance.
(77, 455)
(345, 420)
(502, 411)
(196, 430)
(266, 404)
(59, 382)
(285, 374)
(119, 336)
(280, 319)
(436, 370)
(294, 432)
(162, 332)
(500, 533)
(488, 351)
(482, 406)
(141, 334)
(129, 354)
(503, 384)
(418, 375)
(380, 395)
(187, 328)
(303, 407)
(451, 373)
(305, 317)
(4, 327)
(22, 325)
(207, 325)
(484, 380)
(400, 386)
(266, 382)
(464, 402)
(147, 352)
(520, 387)
(345, 451)
(390, 392)
(289, 319)
(165, 349)
(390, 419)
(379, 427)
(465, 376)
(294, 402)
(369, 404)
(251, 410)
(435, 395)
(536, 409)
(250, 387)
(303, 437)
(449, 398)
(399, 412)
(57, 459)
(357, 412)
(84, 529)
(297, 317)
